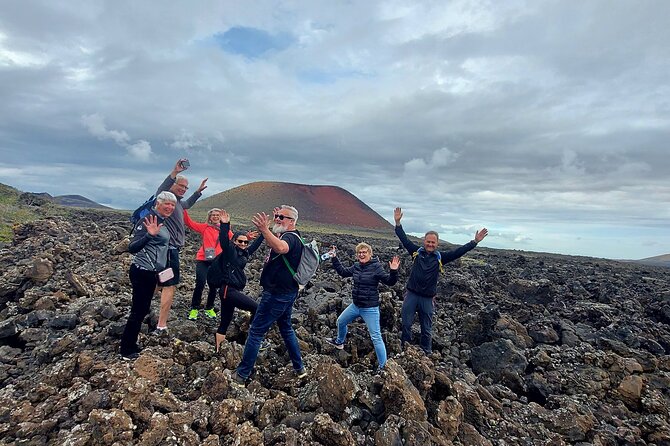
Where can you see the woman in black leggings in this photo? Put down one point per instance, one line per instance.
(227, 273)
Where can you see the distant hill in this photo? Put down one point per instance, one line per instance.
(77, 201)
(662, 260)
(323, 207)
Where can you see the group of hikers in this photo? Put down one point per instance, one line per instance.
(223, 255)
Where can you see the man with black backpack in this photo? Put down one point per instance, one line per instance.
(178, 185)
(422, 283)
(280, 290)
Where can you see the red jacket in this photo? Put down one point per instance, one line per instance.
(210, 236)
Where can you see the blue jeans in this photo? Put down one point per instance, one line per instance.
(272, 308)
(424, 305)
(371, 318)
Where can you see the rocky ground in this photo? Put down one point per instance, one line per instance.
(529, 349)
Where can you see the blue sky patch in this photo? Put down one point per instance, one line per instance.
(252, 42)
(320, 76)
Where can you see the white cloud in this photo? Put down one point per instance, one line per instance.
(141, 150)
(96, 126)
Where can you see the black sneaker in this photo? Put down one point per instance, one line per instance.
(130, 356)
(237, 379)
(334, 343)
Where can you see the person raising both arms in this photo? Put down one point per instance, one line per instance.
(367, 273)
(279, 290)
(209, 249)
(421, 287)
(178, 185)
(227, 273)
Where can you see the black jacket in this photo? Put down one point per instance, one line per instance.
(366, 276)
(228, 267)
(426, 268)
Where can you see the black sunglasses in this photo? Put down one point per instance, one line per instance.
(242, 242)
(282, 217)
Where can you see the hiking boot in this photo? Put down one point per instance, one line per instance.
(130, 356)
(210, 313)
(334, 343)
(300, 373)
(265, 345)
(238, 380)
(193, 315)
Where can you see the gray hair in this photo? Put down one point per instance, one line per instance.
(166, 196)
(437, 236)
(210, 212)
(293, 211)
(180, 177)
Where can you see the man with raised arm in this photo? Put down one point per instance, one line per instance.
(421, 286)
(178, 185)
(279, 290)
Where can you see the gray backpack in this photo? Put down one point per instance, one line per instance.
(309, 262)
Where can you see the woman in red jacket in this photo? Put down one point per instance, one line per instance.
(209, 249)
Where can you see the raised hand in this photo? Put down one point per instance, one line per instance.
(203, 185)
(261, 221)
(479, 236)
(178, 167)
(152, 225)
(394, 263)
(225, 217)
(252, 234)
(397, 215)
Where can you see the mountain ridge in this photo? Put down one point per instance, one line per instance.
(327, 207)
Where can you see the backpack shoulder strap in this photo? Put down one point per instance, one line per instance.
(437, 253)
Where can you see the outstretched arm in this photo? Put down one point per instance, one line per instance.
(448, 256)
(195, 196)
(400, 232)
(340, 269)
(479, 235)
(197, 227)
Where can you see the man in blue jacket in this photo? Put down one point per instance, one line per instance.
(422, 282)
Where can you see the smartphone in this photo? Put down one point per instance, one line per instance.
(165, 275)
(184, 164)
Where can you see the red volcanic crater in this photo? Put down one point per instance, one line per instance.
(329, 205)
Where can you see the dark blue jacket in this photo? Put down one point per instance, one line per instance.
(366, 276)
(426, 268)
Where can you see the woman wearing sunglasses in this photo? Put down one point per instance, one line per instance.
(227, 273)
(367, 272)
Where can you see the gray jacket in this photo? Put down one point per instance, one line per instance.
(150, 251)
(175, 222)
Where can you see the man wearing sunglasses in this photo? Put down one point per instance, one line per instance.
(279, 290)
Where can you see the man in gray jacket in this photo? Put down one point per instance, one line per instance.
(178, 185)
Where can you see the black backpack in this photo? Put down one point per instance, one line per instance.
(223, 271)
(138, 214)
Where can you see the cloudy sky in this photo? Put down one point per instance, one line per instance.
(546, 121)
